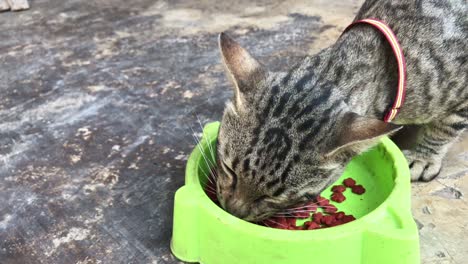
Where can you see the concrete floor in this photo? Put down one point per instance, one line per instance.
(99, 99)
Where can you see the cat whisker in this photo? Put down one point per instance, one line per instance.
(308, 205)
(207, 160)
(207, 187)
(274, 222)
(308, 209)
(211, 186)
(214, 173)
(210, 179)
(208, 191)
(178, 138)
(290, 213)
(282, 214)
(302, 208)
(210, 147)
(212, 176)
(210, 165)
(209, 176)
(285, 216)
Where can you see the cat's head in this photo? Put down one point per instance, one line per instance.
(277, 146)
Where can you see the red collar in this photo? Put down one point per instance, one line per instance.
(398, 51)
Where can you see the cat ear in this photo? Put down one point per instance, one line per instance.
(244, 70)
(359, 133)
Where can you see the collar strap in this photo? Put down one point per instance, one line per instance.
(398, 51)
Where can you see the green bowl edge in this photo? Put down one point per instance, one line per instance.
(400, 195)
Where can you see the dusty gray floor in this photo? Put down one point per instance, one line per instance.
(98, 99)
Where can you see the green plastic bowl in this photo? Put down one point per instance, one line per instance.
(384, 231)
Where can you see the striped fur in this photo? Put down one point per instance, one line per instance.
(287, 135)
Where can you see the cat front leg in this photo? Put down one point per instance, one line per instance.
(426, 156)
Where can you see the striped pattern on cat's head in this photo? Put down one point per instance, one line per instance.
(284, 137)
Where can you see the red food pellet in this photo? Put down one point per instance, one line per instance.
(330, 209)
(358, 189)
(322, 201)
(338, 188)
(317, 217)
(301, 215)
(349, 182)
(307, 224)
(347, 219)
(328, 220)
(291, 221)
(338, 197)
(339, 215)
(311, 207)
(312, 226)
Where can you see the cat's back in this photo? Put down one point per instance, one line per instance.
(417, 21)
(433, 35)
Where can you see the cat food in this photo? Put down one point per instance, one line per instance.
(312, 206)
(358, 189)
(330, 209)
(347, 219)
(328, 220)
(291, 221)
(338, 197)
(302, 215)
(339, 215)
(349, 182)
(309, 225)
(338, 188)
(322, 201)
(328, 217)
(317, 217)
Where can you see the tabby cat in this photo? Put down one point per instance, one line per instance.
(286, 136)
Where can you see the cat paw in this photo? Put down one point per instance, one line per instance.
(423, 169)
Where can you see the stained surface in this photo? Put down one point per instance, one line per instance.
(99, 104)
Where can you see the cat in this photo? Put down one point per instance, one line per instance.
(286, 136)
